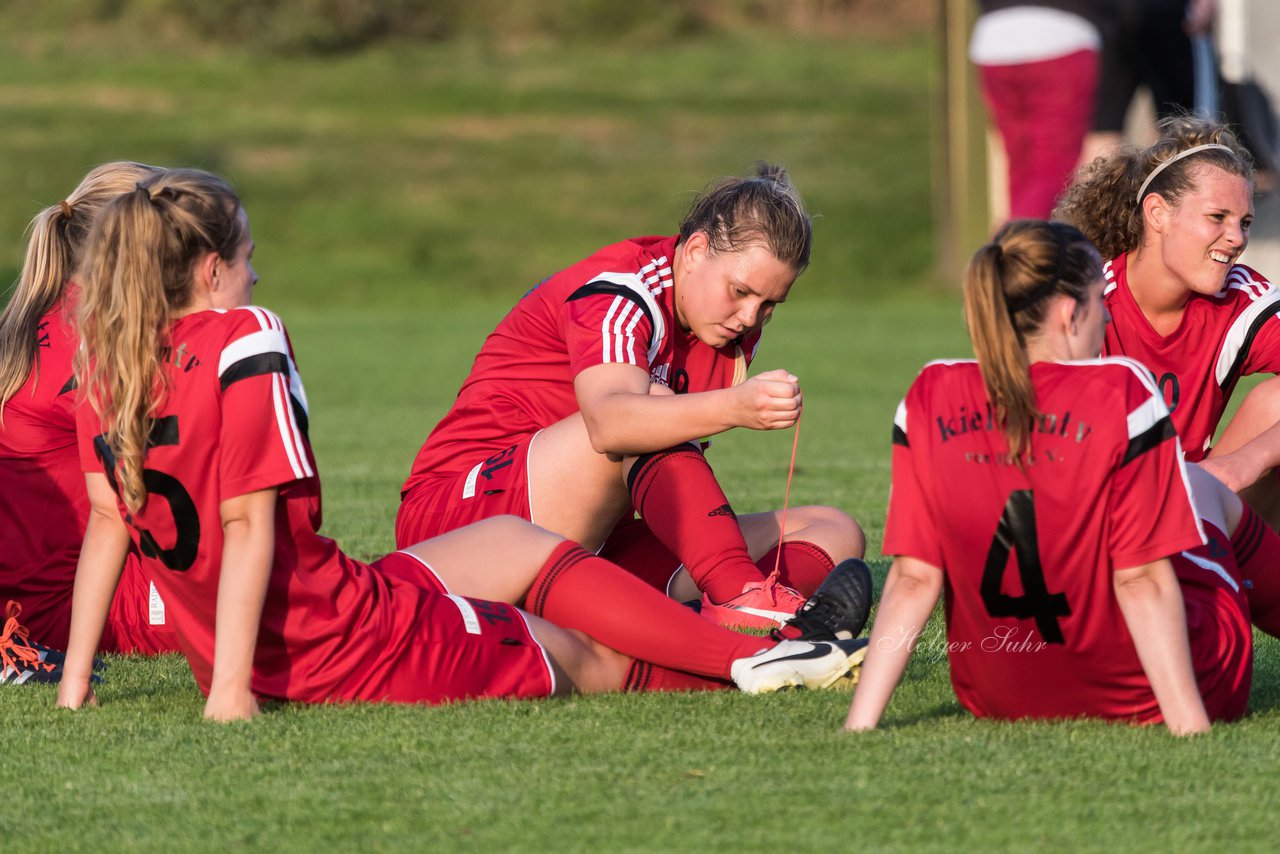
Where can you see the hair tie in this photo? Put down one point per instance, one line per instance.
(1195, 149)
(1046, 287)
(66, 209)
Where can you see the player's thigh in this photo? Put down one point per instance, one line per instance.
(580, 663)
(495, 559)
(835, 532)
(573, 490)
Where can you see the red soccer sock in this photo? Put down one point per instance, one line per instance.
(677, 494)
(803, 566)
(577, 590)
(643, 676)
(1257, 551)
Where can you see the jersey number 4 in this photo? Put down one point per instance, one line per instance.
(186, 521)
(1016, 533)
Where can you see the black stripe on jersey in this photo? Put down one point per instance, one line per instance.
(1148, 439)
(599, 288)
(900, 437)
(300, 415)
(255, 366)
(1254, 328)
(71, 385)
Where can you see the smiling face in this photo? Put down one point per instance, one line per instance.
(721, 296)
(1201, 238)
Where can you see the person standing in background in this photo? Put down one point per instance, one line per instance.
(1150, 46)
(1038, 63)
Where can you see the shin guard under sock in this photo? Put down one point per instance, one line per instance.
(802, 568)
(678, 497)
(577, 590)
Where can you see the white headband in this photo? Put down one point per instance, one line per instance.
(1181, 154)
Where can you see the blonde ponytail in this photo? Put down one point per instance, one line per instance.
(138, 274)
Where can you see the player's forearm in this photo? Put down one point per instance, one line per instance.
(629, 424)
(909, 598)
(102, 556)
(1151, 602)
(247, 553)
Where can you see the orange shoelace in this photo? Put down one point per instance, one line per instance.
(15, 648)
(791, 470)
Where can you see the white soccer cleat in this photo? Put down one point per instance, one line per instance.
(800, 664)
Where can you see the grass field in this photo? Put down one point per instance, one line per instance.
(401, 200)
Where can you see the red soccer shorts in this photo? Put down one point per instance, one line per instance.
(1218, 625)
(496, 485)
(455, 649)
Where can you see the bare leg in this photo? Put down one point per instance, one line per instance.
(495, 559)
(581, 665)
(826, 527)
(574, 491)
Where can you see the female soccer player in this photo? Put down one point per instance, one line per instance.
(588, 401)
(195, 445)
(1044, 489)
(43, 506)
(1174, 218)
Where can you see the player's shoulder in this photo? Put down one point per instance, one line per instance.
(941, 371)
(1120, 374)
(1116, 388)
(250, 339)
(1247, 285)
(936, 383)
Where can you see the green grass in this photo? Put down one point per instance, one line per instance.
(402, 200)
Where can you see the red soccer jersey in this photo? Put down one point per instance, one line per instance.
(1221, 338)
(618, 305)
(1033, 625)
(234, 421)
(44, 507)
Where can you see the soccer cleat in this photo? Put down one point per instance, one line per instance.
(800, 664)
(838, 608)
(761, 605)
(23, 660)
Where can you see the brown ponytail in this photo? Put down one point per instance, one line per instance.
(1006, 293)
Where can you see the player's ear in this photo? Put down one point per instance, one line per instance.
(696, 247)
(206, 271)
(1156, 211)
(1062, 312)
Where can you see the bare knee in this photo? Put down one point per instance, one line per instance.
(582, 664)
(832, 530)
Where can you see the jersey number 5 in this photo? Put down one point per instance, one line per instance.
(186, 521)
(1017, 533)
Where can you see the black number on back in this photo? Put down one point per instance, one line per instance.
(186, 520)
(1016, 533)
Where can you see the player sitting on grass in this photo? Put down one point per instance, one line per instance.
(43, 506)
(1174, 219)
(194, 440)
(1044, 488)
(569, 419)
